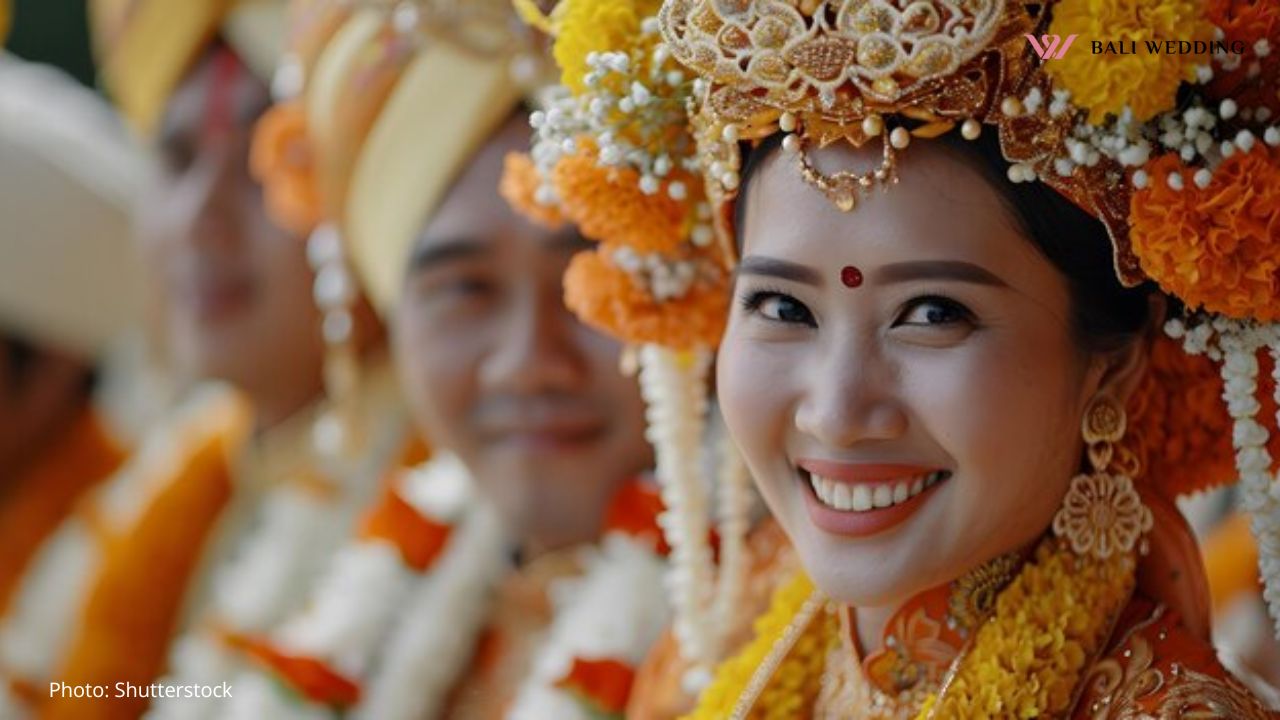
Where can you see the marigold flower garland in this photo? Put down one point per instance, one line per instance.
(796, 680)
(338, 652)
(1027, 660)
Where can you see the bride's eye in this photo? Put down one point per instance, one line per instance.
(778, 307)
(933, 311)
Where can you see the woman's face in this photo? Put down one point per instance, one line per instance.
(910, 428)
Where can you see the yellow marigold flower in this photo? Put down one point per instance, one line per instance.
(1027, 660)
(1146, 81)
(587, 26)
(1214, 247)
(794, 684)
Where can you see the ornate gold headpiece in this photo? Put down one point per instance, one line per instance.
(887, 71)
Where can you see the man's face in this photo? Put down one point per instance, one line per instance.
(501, 373)
(236, 289)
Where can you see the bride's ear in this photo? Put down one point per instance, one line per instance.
(1122, 368)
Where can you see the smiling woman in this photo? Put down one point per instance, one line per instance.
(936, 358)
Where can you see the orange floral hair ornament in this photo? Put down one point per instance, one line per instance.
(519, 187)
(607, 297)
(608, 205)
(1250, 79)
(1214, 244)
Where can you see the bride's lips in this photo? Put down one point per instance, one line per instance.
(863, 499)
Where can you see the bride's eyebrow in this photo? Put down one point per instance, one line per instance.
(764, 266)
(937, 270)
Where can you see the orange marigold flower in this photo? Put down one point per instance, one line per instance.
(280, 158)
(1248, 21)
(603, 296)
(607, 205)
(1179, 427)
(519, 187)
(1214, 247)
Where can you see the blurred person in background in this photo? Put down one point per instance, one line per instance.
(519, 572)
(68, 275)
(238, 496)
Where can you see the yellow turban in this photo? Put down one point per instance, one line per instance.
(4, 20)
(145, 47)
(391, 125)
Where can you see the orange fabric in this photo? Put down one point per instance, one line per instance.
(45, 494)
(418, 538)
(310, 677)
(134, 601)
(1231, 560)
(1151, 643)
(604, 684)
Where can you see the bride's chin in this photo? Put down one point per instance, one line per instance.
(861, 578)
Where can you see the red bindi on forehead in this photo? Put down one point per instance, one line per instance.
(851, 276)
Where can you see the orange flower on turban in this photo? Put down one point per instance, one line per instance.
(281, 160)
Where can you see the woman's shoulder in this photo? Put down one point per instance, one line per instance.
(1156, 667)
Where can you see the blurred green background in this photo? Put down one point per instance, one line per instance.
(56, 32)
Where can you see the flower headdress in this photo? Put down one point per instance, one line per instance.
(1178, 155)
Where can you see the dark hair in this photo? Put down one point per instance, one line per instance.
(1105, 314)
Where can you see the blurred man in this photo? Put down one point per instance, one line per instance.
(517, 574)
(67, 277)
(204, 525)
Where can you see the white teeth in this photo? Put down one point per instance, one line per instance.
(901, 492)
(861, 497)
(883, 496)
(844, 497)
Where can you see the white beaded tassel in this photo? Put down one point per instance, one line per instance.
(335, 293)
(674, 388)
(734, 496)
(1236, 345)
(1261, 498)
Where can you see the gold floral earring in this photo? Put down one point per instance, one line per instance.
(1102, 514)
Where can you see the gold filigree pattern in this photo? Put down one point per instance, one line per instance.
(1133, 686)
(834, 63)
(1102, 514)
(973, 596)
